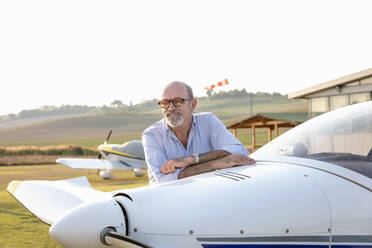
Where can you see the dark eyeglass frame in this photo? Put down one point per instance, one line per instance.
(177, 102)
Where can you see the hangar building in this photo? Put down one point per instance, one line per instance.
(324, 97)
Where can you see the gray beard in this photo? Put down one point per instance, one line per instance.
(174, 120)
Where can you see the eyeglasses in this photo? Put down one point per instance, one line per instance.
(177, 102)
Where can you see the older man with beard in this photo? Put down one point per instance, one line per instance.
(184, 144)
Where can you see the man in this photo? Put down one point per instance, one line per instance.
(184, 144)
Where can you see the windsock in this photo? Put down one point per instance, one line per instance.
(221, 83)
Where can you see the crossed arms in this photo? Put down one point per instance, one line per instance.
(214, 160)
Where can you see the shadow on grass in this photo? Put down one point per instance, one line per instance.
(16, 214)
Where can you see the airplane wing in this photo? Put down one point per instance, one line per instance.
(122, 163)
(128, 163)
(83, 163)
(51, 201)
(48, 200)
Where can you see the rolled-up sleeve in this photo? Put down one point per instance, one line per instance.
(222, 139)
(155, 157)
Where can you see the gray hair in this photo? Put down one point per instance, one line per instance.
(189, 90)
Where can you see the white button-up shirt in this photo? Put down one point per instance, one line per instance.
(207, 134)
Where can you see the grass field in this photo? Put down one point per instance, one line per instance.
(18, 227)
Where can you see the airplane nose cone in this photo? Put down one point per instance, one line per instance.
(81, 227)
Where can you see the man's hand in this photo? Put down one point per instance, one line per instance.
(234, 160)
(220, 163)
(173, 164)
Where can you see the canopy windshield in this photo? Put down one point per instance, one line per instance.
(342, 137)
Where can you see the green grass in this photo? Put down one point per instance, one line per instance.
(116, 138)
(80, 130)
(240, 107)
(85, 140)
(18, 227)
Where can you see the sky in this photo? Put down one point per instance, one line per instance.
(92, 52)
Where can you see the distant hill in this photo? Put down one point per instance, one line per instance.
(128, 122)
(87, 130)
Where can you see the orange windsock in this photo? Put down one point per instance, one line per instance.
(221, 83)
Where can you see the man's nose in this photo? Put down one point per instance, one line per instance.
(171, 106)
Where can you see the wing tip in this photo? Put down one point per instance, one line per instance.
(12, 186)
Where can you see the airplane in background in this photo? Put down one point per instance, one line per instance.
(311, 187)
(128, 156)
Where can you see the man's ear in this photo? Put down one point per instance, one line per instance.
(194, 102)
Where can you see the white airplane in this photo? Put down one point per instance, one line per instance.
(311, 187)
(129, 156)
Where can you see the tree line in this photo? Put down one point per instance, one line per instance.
(239, 93)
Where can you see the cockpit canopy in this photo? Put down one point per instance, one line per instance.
(342, 137)
(133, 147)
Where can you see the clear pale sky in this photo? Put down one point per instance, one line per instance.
(93, 52)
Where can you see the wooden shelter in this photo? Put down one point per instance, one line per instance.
(269, 121)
